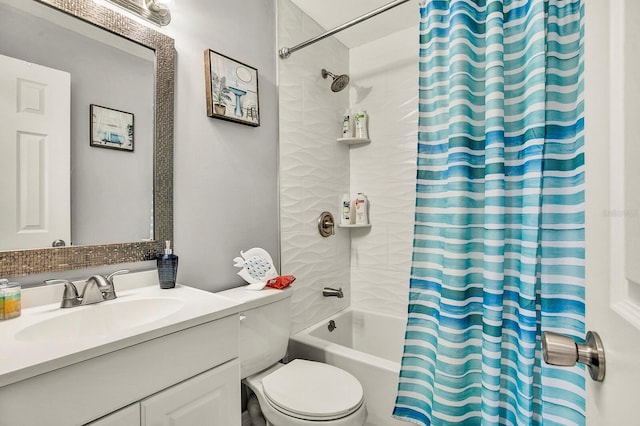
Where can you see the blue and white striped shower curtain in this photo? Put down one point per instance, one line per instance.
(499, 225)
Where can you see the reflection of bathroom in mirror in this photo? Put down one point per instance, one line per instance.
(117, 203)
(111, 191)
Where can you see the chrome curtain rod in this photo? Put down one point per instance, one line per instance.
(285, 52)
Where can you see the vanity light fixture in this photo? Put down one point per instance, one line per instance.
(161, 7)
(155, 11)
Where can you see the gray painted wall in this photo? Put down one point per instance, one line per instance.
(225, 173)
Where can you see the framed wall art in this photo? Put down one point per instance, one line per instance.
(111, 128)
(232, 89)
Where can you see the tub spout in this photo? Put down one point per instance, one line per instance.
(332, 292)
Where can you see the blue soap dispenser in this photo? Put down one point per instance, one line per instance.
(167, 267)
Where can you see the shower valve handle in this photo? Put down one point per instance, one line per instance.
(326, 224)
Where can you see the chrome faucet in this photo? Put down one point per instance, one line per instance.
(332, 292)
(96, 289)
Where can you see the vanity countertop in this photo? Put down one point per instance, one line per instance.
(41, 340)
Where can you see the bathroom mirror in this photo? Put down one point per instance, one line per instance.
(153, 127)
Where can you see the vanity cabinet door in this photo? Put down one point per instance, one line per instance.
(129, 416)
(209, 399)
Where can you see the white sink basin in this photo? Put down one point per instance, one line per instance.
(99, 320)
(46, 338)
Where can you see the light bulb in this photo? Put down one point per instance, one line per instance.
(159, 6)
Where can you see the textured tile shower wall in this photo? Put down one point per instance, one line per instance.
(372, 265)
(385, 170)
(314, 168)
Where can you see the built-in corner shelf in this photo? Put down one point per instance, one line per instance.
(354, 141)
(354, 225)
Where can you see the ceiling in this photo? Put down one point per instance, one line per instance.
(332, 13)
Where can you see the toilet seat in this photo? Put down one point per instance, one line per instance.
(313, 391)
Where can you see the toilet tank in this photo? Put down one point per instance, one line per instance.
(265, 323)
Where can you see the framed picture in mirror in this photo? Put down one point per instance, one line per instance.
(232, 89)
(111, 128)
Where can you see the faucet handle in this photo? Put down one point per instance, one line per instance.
(70, 294)
(118, 272)
(55, 281)
(70, 289)
(105, 285)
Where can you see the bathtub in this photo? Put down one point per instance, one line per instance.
(366, 344)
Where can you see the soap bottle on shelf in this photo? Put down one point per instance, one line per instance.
(362, 209)
(345, 210)
(167, 267)
(362, 119)
(347, 125)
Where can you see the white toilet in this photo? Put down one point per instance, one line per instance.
(300, 393)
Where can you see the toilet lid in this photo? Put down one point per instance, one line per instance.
(313, 390)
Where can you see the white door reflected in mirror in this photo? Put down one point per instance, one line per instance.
(34, 154)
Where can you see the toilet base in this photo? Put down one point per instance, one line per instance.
(275, 417)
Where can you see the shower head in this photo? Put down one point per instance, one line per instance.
(339, 81)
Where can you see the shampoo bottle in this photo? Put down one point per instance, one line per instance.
(362, 119)
(347, 125)
(362, 209)
(167, 267)
(345, 210)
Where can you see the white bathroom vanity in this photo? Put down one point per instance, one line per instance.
(151, 356)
